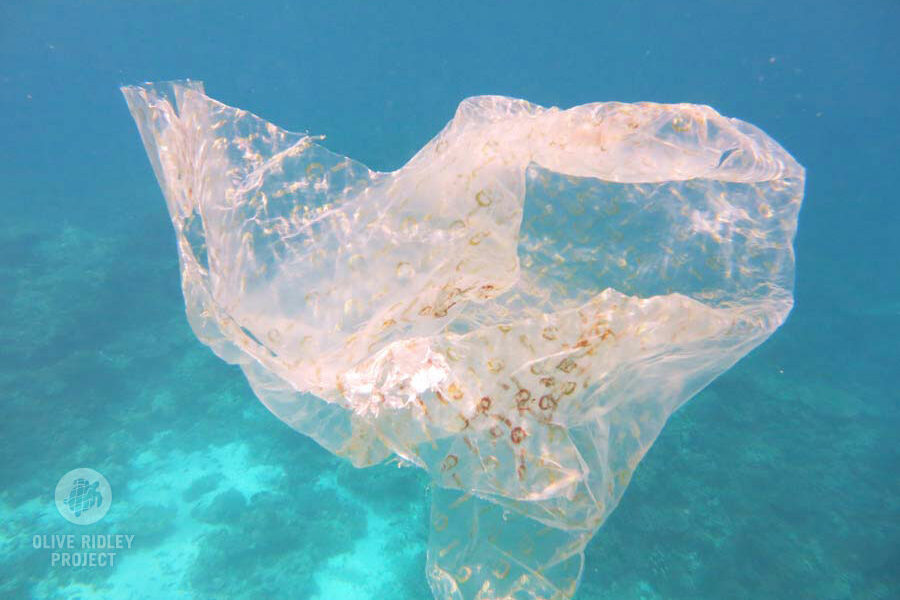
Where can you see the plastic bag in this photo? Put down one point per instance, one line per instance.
(517, 310)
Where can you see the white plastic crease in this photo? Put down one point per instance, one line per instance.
(517, 310)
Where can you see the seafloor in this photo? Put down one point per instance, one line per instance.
(769, 484)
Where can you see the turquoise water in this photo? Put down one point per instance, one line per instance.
(780, 480)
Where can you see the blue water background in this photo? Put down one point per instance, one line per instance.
(780, 481)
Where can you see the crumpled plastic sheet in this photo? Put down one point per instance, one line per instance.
(517, 310)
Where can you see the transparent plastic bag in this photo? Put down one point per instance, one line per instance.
(517, 310)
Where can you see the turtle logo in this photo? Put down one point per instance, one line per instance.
(83, 496)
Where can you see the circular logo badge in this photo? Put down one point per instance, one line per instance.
(83, 496)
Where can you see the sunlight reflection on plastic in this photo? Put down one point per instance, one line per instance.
(517, 310)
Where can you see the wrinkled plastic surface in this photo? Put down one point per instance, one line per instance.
(517, 310)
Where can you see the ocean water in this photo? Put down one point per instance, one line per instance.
(781, 480)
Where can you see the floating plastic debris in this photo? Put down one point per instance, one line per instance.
(517, 310)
